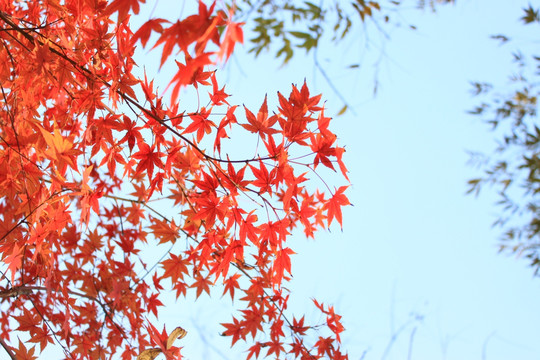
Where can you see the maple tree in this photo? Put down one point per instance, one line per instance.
(90, 155)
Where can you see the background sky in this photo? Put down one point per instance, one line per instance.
(417, 258)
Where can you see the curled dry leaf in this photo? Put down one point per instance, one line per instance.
(177, 333)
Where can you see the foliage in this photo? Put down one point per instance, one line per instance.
(302, 24)
(514, 169)
(284, 27)
(97, 169)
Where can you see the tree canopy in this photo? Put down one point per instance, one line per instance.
(98, 167)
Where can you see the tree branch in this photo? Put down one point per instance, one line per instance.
(8, 349)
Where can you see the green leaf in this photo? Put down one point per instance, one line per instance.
(531, 15)
(300, 35)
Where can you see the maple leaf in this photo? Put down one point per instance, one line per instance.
(158, 338)
(275, 347)
(210, 208)
(123, 7)
(190, 73)
(217, 96)
(276, 329)
(325, 346)
(263, 179)
(165, 231)
(61, 149)
(148, 158)
(322, 147)
(231, 283)
(200, 124)
(334, 204)
(322, 123)
(298, 326)
(298, 348)
(22, 353)
(248, 229)
(201, 284)
(132, 132)
(140, 191)
(28, 321)
(332, 319)
(152, 303)
(234, 329)
(41, 335)
(164, 341)
(233, 34)
(113, 156)
(260, 124)
(282, 263)
(175, 268)
(253, 319)
(293, 121)
(146, 29)
(14, 260)
(234, 181)
(302, 98)
(254, 350)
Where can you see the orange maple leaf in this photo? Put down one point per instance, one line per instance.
(334, 204)
(260, 124)
(234, 34)
(282, 264)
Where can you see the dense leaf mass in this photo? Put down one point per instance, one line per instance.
(97, 168)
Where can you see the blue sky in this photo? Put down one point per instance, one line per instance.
(414, 243)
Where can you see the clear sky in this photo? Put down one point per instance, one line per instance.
(417, 257)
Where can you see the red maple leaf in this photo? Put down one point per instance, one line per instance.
(146, 29)
(282, 264)
(233, 35)
(148, 159)
(260, 124)
(334, 204)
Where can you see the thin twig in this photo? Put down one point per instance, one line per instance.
(411, 339)
(330, 82)
(484, 345)
(8, 349)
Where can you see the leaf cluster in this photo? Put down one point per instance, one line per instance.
(514, 168)
(98, 169)
(282, 27)
(287, 26)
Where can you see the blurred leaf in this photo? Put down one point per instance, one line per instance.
(149, 354)
(342, 111)
(300, 35)
(502, 38)
(531, 15)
